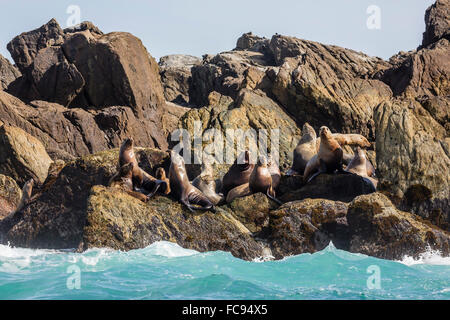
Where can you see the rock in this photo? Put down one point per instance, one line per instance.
(22, 156)
(118, 221)
(176, 76)
(10, 195)
(249, 41)
(251, 110)
(378, 229)
(439, 109)
(328, 85)
(337, 187)
(56, 219)
(8, 73)
(252, 211)
(437, 22)
(307, 226)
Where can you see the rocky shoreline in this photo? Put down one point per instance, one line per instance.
(75, 94)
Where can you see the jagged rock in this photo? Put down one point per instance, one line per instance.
(57, 217)
(250, 110)
(22, 156)
(439, 109)
(328, 85)
(253, 211)
(378, 229)
(251, 42)
(307, 226)
(337, 187)
(116, 220)
(176, 76)
(437, 22)
(10, 195)
(8, 73)
(412, 150)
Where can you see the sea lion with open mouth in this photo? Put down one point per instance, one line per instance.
(182, 189)
(238, 174)
(261, 180)
(123, 180)
(142, 181)
(206, 183)
(328, 159)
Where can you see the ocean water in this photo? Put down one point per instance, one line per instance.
(166, 271)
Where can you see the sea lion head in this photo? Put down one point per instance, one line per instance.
(160, 174)
(28, 187)
(325, 132)
(176, 159)
(308, 133)
(127, 144)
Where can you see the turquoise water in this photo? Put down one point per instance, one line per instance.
(166, 271)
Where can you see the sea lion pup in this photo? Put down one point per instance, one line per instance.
(238, 174)
(361, 166)
(27, 190)
(205, 183)
(161, 175)
(275, 172)
(123, 179)
(305, 150)
(328, 159)
(261, 180)
(142, 181)
(182, 189)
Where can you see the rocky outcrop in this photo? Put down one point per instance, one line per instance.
(378, 229)
(437, 22)
(22, 156)
(8, 73)
(176, 76)
(10, 195)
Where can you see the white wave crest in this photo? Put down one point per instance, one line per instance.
(430, 257)
(169, 250)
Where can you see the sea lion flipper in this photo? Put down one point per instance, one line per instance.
(271, 197)
(155, 189)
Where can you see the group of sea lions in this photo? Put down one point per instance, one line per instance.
(312, 156)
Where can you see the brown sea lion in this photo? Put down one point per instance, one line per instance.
(161, 175)
(305, 150)
(205, 183)
(142, 181)
(238, 174)
(27, 190)
(182, 189)
(123, 180)
(261, 180)
(238, 192)
(361, 166)
(348, 139)
(328, 159)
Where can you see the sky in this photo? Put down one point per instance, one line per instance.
(198, 27)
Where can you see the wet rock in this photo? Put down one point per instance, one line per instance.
(22, 156)
(10, 195)
(337, 187)
(307, 226)
(378, 229)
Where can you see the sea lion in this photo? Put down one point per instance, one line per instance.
(261, 179)
(305, 150)
(328, 159)
(161, 175)
(27, 190)
(123, 180)
(205, 183)
(238, 174)
(348, 139)
(275, 172)
(361, 166)
(142, 181)
(238, 192)
(182, 189)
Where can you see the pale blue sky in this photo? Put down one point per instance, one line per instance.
(210, 26)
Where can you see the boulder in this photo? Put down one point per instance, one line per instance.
(437, 22)
(337, 187)
(22, 156)
(10, 195)
(8, 73)
(176, 76)
(249, 41)
(307, 226)
(378, 229)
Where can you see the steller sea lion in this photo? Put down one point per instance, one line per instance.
(238, 192)
(27, 190)
(275, 172)
(161, 175)
(261, 180)
(182, 189)
(328, 159)
(123, 180)
(238, 174)
(348, 139)
(142, 181)
(361, 166)
(305, 150)
(205, 183)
